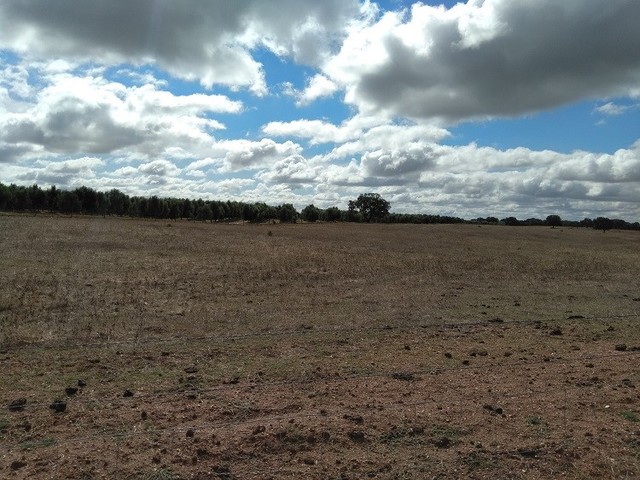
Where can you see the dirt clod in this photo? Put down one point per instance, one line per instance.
(58, 406)
(17, 405)
(356, 436)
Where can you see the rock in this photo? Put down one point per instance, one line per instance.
(82, 383)
(17, 405)
(58, 406)
(191, 370)
(448, 354)
(493, 409)
(309, 461)
(556, 331)
(259, 429)
(621, 347)
(190, 433)
(478, 352)
(71, 390)
(127, 393)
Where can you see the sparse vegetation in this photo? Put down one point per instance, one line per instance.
(630, 415)
(396, 351)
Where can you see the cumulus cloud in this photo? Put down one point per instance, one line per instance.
(65, 173)
(490, 58)
(357, 134)
(210, 41)
(319, 86)
(246, 154)
(89, 114)
(293, 170)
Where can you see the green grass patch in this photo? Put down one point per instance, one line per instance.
(33, 444)
(630, 415)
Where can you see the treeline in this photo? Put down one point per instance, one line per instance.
(87, 201)
(599, 223)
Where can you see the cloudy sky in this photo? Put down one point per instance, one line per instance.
(489, 107)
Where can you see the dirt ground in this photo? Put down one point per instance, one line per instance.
(135, 349)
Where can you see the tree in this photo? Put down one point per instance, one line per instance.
(602, 223)
(310, 213)
(554, 221)
(371, 206)
(287, 213)
(332, 214)
(511, 221)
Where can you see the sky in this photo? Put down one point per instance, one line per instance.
(520, 108)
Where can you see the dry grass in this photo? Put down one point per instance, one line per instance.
(228, 327)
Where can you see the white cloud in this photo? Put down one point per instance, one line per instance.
(88, 114)
(319, 86)
(615, 109)
(211, 41)
(246, 154)
(490, 58)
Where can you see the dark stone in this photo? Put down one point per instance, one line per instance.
(556, 331)
(621, 347)
(82, 383)
(58, 406)
(127, 393)
(18, 405)
(356, 436)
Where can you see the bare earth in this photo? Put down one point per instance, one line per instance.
(319, 351)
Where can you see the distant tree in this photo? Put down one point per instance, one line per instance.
(6, 197)
(118, 202)
(248, 212)
(310, 213)
(186, 208)
(602, 223)
(332, 214)
(511, 221)
(174, 209)
(371, 206)
(491, 220)
(88, 199)
(287, 213)
(38, 198)
(554, 221)
(533, 221)
(587, 222)
(204, 212)
(69, 202)
(52, 198)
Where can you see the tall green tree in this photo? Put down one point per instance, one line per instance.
(371, 206)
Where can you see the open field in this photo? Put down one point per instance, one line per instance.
(321, 351)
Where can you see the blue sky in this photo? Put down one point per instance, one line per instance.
(484, 107)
